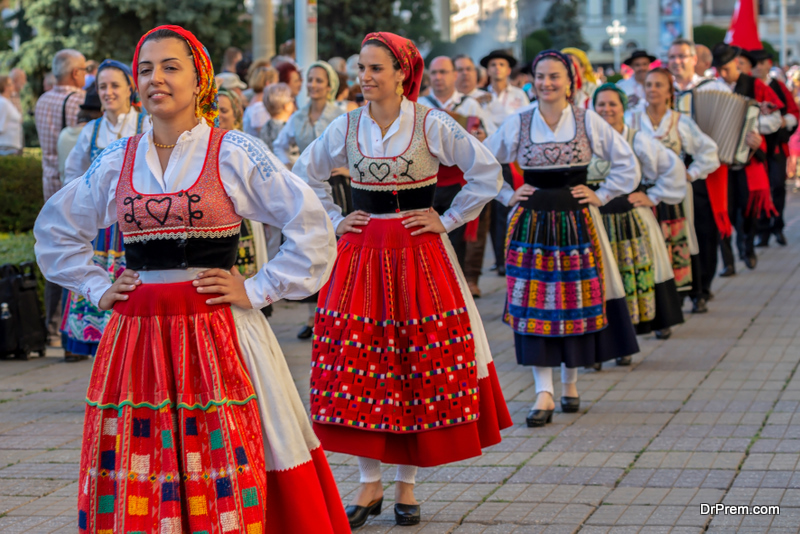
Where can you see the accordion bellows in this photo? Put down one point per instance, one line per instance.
(724, 117)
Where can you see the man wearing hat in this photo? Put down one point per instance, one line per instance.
(506, 100)
(748, 185)
(634, 86)
(777, 147)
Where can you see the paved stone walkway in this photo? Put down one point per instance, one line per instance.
(708, 416)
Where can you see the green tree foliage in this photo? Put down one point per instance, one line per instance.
(709, 35)
(420, 25)
(344, 23)
(536, 42)
(111, 28)
(562, 26)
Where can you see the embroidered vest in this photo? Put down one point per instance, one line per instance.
(196, 227)
(554, 164)
(671, 139)
(599, 169)
(95, 150)
(392, 184)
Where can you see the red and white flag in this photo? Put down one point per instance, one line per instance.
(744, 26)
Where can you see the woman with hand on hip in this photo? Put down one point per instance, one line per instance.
(191, 411)
(633, 231)
(401, 368)
(566, 302)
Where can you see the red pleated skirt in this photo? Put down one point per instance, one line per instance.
(394, 370)
(172, 438)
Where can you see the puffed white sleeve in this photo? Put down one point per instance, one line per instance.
(609, 145)
(263, 190)
(700, 146)
(318, 160)
(453, 145)
(283, 144)
(503, 145)
(769, 123)
(69, 221)
(79, 158)
(661, 167)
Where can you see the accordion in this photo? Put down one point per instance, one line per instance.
(724, 117)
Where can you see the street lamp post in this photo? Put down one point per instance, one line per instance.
(615, 31)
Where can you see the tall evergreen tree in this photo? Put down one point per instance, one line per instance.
(111, 28)
(561, 22)
(344, 23)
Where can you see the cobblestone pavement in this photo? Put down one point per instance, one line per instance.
(708, 416)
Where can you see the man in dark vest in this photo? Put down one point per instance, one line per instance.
(777, 147)
(748, 185)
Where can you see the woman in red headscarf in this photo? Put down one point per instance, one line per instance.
(401, 370)
(193, 423)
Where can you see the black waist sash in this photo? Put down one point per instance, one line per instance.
(552, 189)
(381, 202)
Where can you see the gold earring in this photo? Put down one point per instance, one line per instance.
(399, 90)
(569, 92)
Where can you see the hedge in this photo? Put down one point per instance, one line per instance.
(20, 191)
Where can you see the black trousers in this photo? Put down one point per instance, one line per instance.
(745, 225)
(776, 165)
(499, 223)
(442, 200)
(52, 307)
(704, 269)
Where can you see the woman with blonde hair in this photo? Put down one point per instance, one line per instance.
(256, 115)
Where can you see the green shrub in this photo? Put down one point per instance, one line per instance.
(20, 191)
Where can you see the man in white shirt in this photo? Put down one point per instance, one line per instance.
(682, 60)
(469, 113)
(506, 100)
(467, 79)
(634, 86)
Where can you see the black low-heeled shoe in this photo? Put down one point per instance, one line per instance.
(624, 361)
(537, 418)
(358, 515)
(664, 333)
(406, 515)
(570, 404)
(306, 332)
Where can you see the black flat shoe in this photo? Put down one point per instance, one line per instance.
(762, 241)
(406, 515)
(624, 361)
(501, 270)
(729, 270)
(597, 366)
(751, 261)
(570, 404)
(664, 333)
(780, 238)
(305, 333)
(699, 305)
(537, 418)
(358, 515)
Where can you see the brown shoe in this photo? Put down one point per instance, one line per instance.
(474, 289)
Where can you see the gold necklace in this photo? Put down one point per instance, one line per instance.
(383, 130)
(163, 146)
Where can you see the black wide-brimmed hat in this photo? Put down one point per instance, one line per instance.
(724, 54)
(755, 56)
(636, 55)
(92, 100)
(499, 54)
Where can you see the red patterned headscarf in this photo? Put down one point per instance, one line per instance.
(207, 99)
(409, 58)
